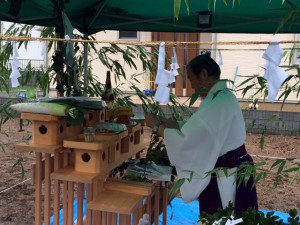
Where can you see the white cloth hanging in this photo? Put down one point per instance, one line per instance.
(165, 77)
(15, 74)
(274, 74)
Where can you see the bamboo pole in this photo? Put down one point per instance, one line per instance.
(165, 203)
(47, 189)
(88, 198)
(38, 188)
(70, 202)
(65, 191)
(80, 193)
(56, 189)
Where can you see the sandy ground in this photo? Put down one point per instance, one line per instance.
(17, 203)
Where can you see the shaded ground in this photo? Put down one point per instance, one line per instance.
(17, 203)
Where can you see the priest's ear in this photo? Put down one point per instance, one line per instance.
(203, 74)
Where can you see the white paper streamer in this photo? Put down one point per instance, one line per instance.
(274, 74)
(221, 59)
(161, 65)
(231, 221)
(163, 76)
(174, 67)
(15, 74)
(162, 94)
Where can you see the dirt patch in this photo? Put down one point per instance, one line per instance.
(17, 203)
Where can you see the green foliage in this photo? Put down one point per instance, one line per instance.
(5, 113)
(249, 217)
(19, 163)
(177, 6)
(130, 55)
(136, 178)
(290, 16)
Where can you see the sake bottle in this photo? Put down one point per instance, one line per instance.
(107, 94)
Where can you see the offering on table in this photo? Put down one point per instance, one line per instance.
(109, 128)
(121, 114)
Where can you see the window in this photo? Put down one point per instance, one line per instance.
(128, 35)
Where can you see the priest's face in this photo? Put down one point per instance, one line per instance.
(199, 81)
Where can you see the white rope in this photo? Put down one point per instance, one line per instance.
(14, 186)
(270, 157)
(274, 157)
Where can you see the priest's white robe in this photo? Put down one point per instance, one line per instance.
(214, 129)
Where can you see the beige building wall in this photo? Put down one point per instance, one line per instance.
(247, 59)
(99, 70)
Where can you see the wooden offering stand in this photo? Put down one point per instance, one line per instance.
(79, 170)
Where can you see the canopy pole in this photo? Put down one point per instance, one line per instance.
(85, 71)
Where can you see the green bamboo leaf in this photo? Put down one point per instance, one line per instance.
(191, 175)
(248, 173)
(280, 122)
(296, 174)
(258, 177)
(195, 96)
(293, 169)
(2, 147)
(262, 138)
(177, 5)
(278, 161)
(286, 18)
(225, 170)
(176, 188)
(246, 81)
(246, 89)
(281, 167)
(262, 163)
(216, 94)
(251, 124)
(19, 162)
(278, 180)
(286, 95)
(187, 6)
(145, 109)
(261, 81)
(209, 173)
(272, 118)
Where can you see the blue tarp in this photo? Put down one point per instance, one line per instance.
(178, 213)
(182, 213)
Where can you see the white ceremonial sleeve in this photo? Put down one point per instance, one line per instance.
(194, 148)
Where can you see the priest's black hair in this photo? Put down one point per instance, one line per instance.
(204, 62)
